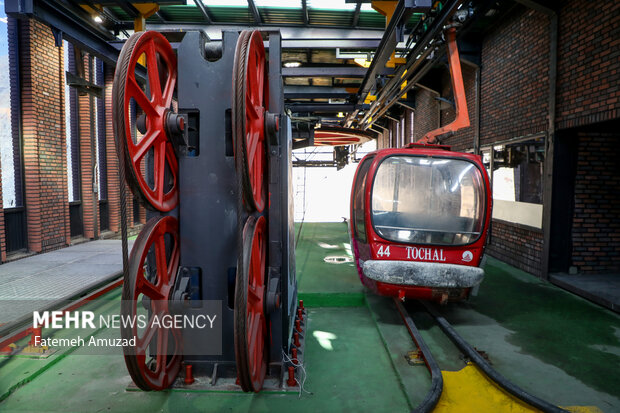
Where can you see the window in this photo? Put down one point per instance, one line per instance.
(516, 171)
(71, 127)
(10, 148)
(100, 122)
(426, 200)
(358, 200)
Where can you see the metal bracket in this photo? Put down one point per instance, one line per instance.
(186, 290)
(273, 300)
(57, 33)
(272, 126)
(83, 86)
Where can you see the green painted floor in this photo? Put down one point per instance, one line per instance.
(550, 342)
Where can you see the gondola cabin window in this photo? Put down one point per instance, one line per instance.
(424, 200)
(358, 199)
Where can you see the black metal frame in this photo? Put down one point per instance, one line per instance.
(211, 175)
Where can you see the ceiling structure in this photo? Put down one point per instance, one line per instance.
(344, 63)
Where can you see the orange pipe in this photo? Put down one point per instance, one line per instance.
(462, 116)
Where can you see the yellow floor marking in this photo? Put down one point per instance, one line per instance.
(468, 390)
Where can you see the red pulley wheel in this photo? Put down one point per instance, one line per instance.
(249, 102)
(140, 109)
(250, 324)
(155, 359)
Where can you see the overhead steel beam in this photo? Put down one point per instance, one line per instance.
(325, 107)
(386, 47)
(315, 92)
(254, 11)
(304, 11)
(332, 71)
(74, 23)
(203, 10)
(330, 34)
(316, 164)
(318, 43)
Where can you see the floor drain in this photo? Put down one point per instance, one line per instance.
(337, 259)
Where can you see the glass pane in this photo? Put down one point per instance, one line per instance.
(428, 200)
(518, 171)
(6, 136)
(358, 200)
(70, 126)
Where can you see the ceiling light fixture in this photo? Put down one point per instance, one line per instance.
(98, 19)
(292, 64)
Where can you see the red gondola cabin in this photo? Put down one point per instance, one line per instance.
(419, 222)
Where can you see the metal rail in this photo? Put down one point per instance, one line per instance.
(490, 372)
(432, 397)
(22, 327)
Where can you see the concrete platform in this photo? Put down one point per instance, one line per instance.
(32, 282)
(601, 289)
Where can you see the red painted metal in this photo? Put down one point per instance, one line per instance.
(250, 325)
(36, 332)
(26, 331)
(249, 112)
(291, 382)
(159, 373)
(462, 116)
(294, 355)
(189, 376)
(257, 328)
(298, 326)
(296, 342)
(161, 65)
(300, 314)
(301, 304)
(369, 249)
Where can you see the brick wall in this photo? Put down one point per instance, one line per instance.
(45, 176)
(426, 116)
(514, 78)
(517, 245)
(41, 66)
(588, 63)
(87, 158)
(596, 218)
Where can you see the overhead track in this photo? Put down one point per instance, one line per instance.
(329, 71)
(415, 57)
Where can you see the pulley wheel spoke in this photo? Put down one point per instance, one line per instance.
(249, 106)
(250, 323)
(152, 179)
(155, 359)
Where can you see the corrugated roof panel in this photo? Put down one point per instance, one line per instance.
(271, 15)
(186, 14)
(330, 17)
(371, 19)
(231, 14)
